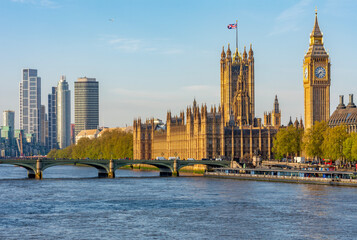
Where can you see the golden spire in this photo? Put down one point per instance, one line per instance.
(223, 54)
(236, 56)
(229, 52)
(245, 53)
(316, 32)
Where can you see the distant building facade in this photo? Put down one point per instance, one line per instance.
(30, 103)
(43, 125)
(73, 135)
(63, 113)
(231, 130)
(52, 119)
(86, 104)
(345, 115)
(9, 121)
(317, 79)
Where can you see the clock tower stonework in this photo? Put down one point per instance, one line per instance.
(317, 79)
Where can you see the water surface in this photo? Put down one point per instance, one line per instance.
(71, 203)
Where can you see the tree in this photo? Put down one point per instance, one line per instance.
(313, 139)
(350, 147)
(332, 145)
(112, 144)
(287, 142)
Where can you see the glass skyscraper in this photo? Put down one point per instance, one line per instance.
(52, 119)
(30, 103)
(86, 104)
(63, 113)
(9, 121)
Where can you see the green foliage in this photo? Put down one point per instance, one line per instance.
(313, 139)
(332, 145)
(350, 147)
(318, 141)
(112, 144)
(288, 142)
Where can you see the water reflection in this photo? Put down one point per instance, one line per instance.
(72, 203)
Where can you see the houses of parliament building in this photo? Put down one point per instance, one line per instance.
(229, 130)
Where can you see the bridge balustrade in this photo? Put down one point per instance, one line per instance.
(106, 168)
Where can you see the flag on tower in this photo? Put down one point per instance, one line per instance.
(232, 26)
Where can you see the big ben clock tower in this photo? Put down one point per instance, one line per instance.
(317, 79)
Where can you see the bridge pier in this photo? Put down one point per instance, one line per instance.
(175, 172)
(34, 175)
(111, 173)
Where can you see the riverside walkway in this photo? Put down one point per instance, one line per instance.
(106, 168)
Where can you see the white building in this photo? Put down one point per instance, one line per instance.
(30, 103)
(63, 113)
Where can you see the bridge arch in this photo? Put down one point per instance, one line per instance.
(103, 169)
(165, 169)
(31, 170)
(211, 164)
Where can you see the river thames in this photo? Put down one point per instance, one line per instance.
(141, 205)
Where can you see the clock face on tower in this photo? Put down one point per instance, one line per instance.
(305, 73)
(320, 72)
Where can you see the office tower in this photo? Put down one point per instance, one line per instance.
(63, 113)
(9, 121)
(52, 119)
(73, 136)
(86, 104)
(30, 103)
(43, 123)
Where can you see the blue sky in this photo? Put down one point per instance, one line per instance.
(155, 56)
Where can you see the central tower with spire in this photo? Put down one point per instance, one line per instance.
(237, 86)
(316, 79)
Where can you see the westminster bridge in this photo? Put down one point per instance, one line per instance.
(106, 168)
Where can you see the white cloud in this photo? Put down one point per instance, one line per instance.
(288, 20)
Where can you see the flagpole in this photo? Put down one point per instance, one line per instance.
(237, 34)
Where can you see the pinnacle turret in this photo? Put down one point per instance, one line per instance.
(223, 54)
(316, 32)
(245, 53)
(229, 53)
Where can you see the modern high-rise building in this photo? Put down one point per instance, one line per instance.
(63, 113)
(9, 119)
(9, 122)
(30, 103)
(316, 79)
(43, 124)
(86, 104)
(52, 119)
(73, 135)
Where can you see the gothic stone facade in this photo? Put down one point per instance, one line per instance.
(203, 135)
(231, 130)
